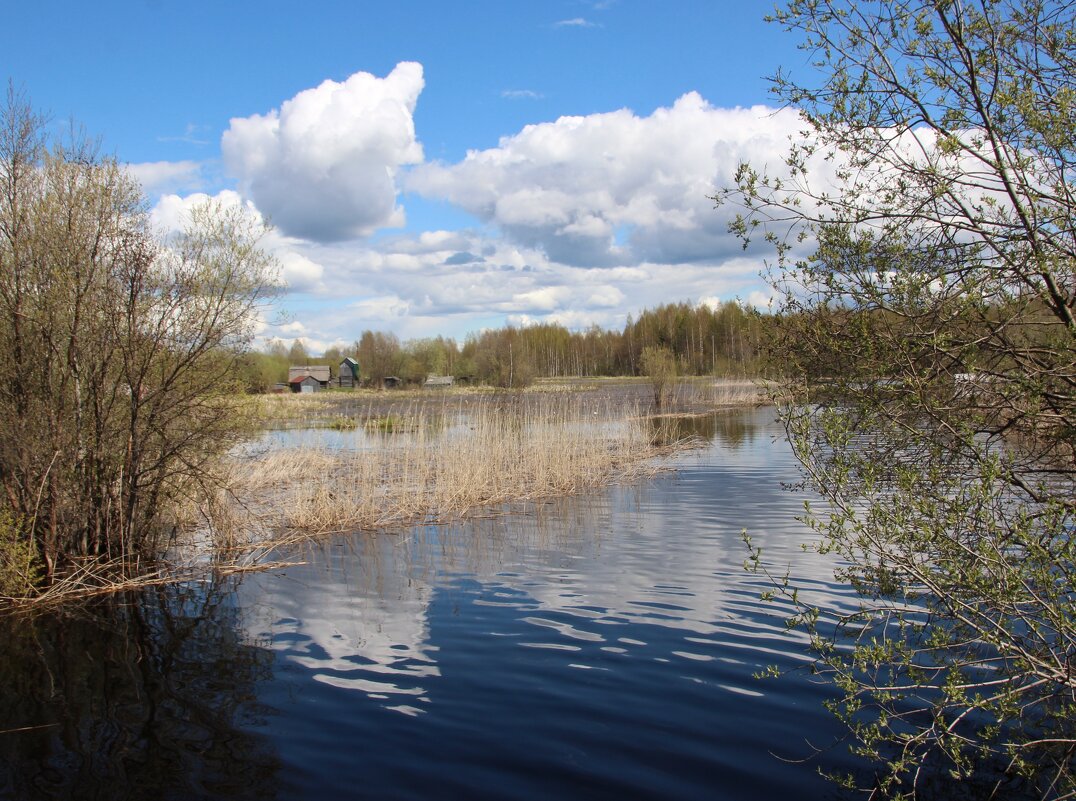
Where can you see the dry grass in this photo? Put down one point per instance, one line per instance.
(440, 468)
(724, 392)
(315, 407)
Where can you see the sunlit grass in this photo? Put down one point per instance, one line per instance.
(441, 468)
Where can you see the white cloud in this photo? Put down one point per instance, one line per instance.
(157, 177)
(521, 94)
(172, 212)
(761, 300)
(586, 219)
(546, 299)
(192, 135)
(616, 189)
(323, 166)
(293, 329)
(300, 274)
(712, 302)
(574, 22)
(605, 296)
(454, 282)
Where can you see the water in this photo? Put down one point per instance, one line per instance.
(596, 647)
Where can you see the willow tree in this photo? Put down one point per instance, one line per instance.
(926, 255)
(117, 352)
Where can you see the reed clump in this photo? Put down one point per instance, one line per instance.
(486, 454)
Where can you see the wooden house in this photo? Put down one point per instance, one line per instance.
(319, 372)
(392, 381)
(438, 382)
(305, 383)
(348, 375)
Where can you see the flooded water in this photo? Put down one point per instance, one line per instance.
(595, 647)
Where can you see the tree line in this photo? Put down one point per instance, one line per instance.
(725, 339)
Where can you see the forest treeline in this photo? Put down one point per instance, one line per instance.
(705, 340)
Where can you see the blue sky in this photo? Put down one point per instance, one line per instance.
(498, 161)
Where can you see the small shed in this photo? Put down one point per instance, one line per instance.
(392, 381)
(305, 383)
(349, 373)
(438, 382)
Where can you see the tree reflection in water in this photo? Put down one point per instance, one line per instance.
(732, 430)
(134, 696)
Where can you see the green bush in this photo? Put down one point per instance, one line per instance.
(20, 567)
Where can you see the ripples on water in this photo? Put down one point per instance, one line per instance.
(598, 647)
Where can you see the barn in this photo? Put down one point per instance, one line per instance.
(305, 383)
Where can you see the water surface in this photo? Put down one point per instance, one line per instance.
(593, 647)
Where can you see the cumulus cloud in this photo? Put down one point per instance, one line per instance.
(323, 166)
(171, 214)
(431, 283)
(298, 272)
(616, 189)
(167, 176)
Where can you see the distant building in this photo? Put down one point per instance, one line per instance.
(305, 383)
(392, 381)
(438, 381)
(349, 373)
(319, 372)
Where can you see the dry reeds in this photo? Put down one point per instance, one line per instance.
(491, 453)
(720, 393)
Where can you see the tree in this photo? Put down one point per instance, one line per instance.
(117, 350)
(928, 336)
(380, 355)
(502, 359)
(297, 353)
(659, 365)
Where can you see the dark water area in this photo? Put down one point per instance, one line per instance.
(599, 647)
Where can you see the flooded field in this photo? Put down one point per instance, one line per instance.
(598, 646)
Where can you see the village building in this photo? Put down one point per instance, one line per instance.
(309, 377)
(305, 383)
(438, 382)
(348, 375)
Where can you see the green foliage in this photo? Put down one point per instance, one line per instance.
(20, 565)
(343, 424)
(927, 322)
(659, 365)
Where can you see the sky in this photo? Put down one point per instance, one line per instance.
(430, 167)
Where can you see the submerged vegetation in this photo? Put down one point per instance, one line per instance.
(439, 466)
